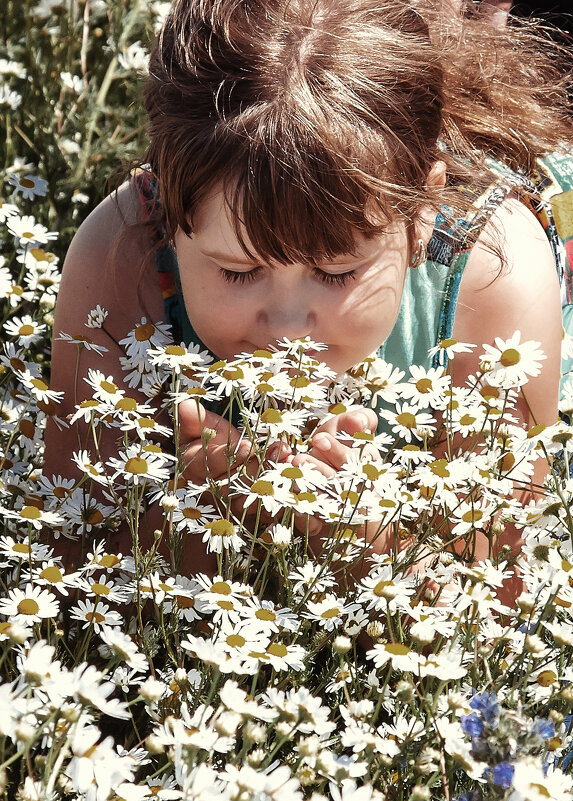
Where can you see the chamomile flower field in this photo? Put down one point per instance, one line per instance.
(373, 635)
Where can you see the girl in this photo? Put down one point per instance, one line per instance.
(358, 171)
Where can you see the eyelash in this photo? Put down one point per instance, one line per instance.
(330, 279)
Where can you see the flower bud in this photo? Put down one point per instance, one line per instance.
(306, 775)
(154, 744)
(151, 690)
(341, 644)
(170, 502)
(254, 732)
(375, 629)
(405, 691)
(25, 732)
(254, 758)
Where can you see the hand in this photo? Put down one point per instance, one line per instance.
(209, 458)
(328, 454)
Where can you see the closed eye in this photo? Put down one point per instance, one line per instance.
(240, 276)
(334, 279)
(246, 276)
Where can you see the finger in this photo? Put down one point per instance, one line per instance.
(194, 419)
(307, 458)
(354, 420)
(212, 460)
(330, 450)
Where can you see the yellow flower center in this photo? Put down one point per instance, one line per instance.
(265, 614)
(277, 649)
(396, 649)
(262, 488)
(136, 465)
(28, 606)
(235, 640)
(52, 574)
(221, 588)
(424, 385)
(96, 617)
(175, 350)
(330, 613)
(272, 416)
(510, 357)
(440, 468)
(144, 332)
(191, 513)
(30, 513)
(109, 560)
(221, 528)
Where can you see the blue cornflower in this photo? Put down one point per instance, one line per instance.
(472, 725)
(543, 727)
(486, 704)
(502, 774)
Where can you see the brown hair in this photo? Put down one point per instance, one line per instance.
(321, 118)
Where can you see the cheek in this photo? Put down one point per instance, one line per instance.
(371, 309)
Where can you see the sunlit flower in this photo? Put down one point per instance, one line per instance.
(511, 362)
(134, 57)
(30, 605)
(408, 421)
(25, 330)
(141, 464)
(96, 614)
(221, 535)
(329, 612)
(427, 387)
(93, 470)
(30, 515)
(23, 550)
(27, 231)
(122, 646)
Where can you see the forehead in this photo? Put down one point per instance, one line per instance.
(216, 230)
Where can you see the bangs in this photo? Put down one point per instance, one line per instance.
(296, 195)
(290, 108)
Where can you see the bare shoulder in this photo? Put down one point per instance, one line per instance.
(109, 263)
(107, 259)
(510, 283)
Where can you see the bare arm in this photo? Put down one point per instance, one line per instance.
(105, 264)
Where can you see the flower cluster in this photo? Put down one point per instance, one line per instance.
(271, 631)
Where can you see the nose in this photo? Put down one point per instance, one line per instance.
(287, 314)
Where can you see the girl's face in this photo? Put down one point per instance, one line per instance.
(236, 305)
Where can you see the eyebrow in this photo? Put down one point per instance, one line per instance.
(232, 259)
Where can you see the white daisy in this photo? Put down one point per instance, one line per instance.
(95, 614)
(29, 186)
(96, 317)
(30, 605)
(25, 330)
(7, 210)
(27, 231)
(83, 342)
(511, 362)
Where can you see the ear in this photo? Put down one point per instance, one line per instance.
(435, 181)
